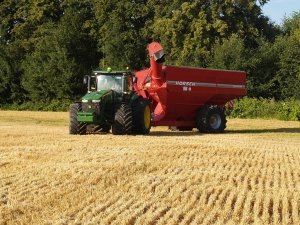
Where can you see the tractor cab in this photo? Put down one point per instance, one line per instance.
(108, 82)
(119, 81)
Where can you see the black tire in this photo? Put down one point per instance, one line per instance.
(101, 129)
(141, 116)
(211, 119)
(76, 127)
(123, 120)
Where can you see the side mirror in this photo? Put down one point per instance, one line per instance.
(86, 79)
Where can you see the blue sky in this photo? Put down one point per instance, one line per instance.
(277, 9)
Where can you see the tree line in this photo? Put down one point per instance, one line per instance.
(47, 46)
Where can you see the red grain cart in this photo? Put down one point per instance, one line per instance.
(185, 97)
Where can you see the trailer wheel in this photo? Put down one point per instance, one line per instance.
(141, 117)
(211, 119)
(123, 120)
(76, 127)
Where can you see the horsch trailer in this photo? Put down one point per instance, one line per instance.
(187, 97)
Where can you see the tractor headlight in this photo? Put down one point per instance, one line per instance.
(96, 101)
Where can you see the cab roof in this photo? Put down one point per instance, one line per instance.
(113, 73)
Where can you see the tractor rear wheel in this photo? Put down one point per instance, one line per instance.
(141, 117)
(211, 119)
(123, 120)
(76, 127)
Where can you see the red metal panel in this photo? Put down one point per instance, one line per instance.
(190, 88)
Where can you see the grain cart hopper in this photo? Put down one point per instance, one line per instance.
(110, 103)
(186, 97)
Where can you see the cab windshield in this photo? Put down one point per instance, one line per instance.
(105, 82)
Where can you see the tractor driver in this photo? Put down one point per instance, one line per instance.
(116, 85)
(103, 83)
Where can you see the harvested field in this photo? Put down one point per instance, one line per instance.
(250, 174)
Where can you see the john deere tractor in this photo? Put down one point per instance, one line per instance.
(110, 104)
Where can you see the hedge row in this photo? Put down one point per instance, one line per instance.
(266, 108)
(243, 108)
(54, 105)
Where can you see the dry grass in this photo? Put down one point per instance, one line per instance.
(250, 174)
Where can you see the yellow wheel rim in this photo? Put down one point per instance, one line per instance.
(147, 117)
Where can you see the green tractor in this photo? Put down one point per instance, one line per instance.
(111, 103)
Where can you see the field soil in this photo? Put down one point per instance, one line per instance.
(248, 175)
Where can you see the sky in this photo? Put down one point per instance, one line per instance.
(277, 9)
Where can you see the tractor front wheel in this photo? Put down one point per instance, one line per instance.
(141, 117)
(123, 120)
(211, 119)
(76, 127)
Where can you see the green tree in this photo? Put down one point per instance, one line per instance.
(289, 60)
(273, 66)
(230, 55)
(64, 52)
(48, 74)
(5, 75)
(9, 74)
(291, 24)
(262, 66)
(121, 34)
(19, 23)
(193, 27)
(288, 74)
